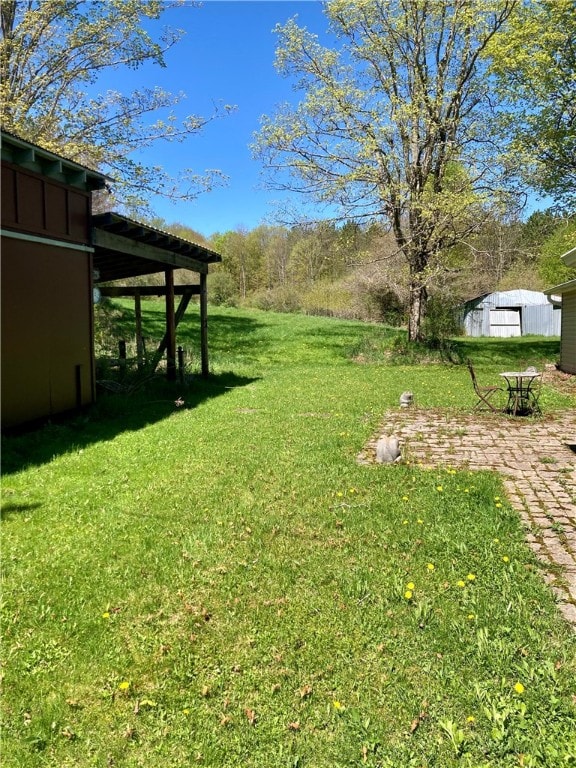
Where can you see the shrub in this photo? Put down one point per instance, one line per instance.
(283, 298)
(222, 289)
(384, 306)
(442, 320)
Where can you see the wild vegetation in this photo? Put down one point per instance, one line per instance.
(202, 573)
(411, 114)
(354, 271)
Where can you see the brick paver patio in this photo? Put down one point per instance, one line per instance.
(537, 459)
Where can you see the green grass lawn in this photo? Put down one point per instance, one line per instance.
(220, 583)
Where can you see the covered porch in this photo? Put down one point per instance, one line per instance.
(125, 248)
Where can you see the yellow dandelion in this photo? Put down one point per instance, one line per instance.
(430, 566)
(408, 594)
(506, 559)
(410, 585)
(470, 719)
(105, 615)
(338, 706)
(460, 583)
(466, 490)
(186, 711)
(404, 498)
(420, 521)
(471, 616)
(439, 488)
(124, 685)
(519, 688)
(498, 505)
(471, 577)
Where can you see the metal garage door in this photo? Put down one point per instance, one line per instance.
(505, 322)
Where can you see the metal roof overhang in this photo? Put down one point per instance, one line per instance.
(562, 288)
(569, 258)
(126, 248)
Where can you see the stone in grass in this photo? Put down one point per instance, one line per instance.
(388, 450)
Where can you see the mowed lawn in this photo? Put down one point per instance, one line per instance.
(220, 583)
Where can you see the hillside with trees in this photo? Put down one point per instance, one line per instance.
(355, 271)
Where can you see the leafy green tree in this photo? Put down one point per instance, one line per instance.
(242, 258)
(551, 268)
(390, 118)
(274, 244)
(535, 64)
(52, 53)
(314, 254)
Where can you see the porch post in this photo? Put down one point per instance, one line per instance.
(204, 325)
(170, 327)
(139, 339)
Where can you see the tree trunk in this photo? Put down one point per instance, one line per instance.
(417, 309)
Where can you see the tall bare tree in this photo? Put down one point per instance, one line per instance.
(393, 123)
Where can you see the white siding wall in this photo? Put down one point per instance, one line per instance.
(568, 347)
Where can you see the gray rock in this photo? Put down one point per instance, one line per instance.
(388, 450)
(406, 399)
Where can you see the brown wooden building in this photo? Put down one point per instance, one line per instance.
(53, 253)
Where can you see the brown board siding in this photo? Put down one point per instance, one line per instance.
(37, 205)
(46, 330)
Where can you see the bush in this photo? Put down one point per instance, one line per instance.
(443, 319)
(384, 306)
(222, 289)
(284, 298)
(330, 299)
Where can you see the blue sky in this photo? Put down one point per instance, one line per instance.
(225, 57)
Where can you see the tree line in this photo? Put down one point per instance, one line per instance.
(353, 270)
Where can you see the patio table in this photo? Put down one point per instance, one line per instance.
(522, 398)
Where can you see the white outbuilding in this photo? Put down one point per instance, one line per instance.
(513, 313)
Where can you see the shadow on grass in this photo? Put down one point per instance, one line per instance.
(112, 414)
(9, 508)
(512, 353)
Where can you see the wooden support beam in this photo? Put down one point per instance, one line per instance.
(147, 290)
(204, 326)
(113, 242)
(184, 301)
(170, 327)
(186, 292)
(139, 338)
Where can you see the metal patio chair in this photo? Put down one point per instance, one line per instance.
(484, 393)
